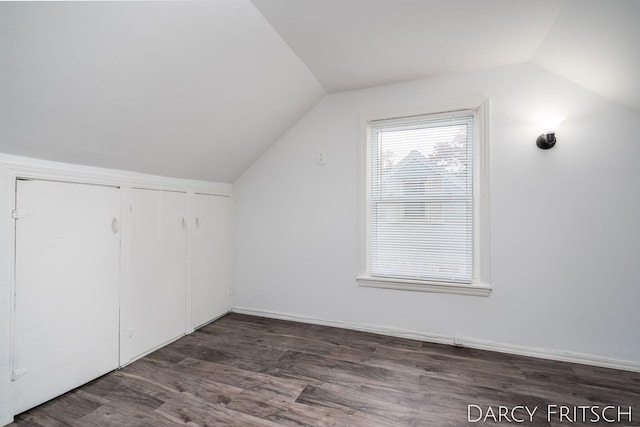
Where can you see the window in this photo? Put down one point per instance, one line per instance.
(423, 201)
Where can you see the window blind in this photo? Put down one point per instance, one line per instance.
(421, 198)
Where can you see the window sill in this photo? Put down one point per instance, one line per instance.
(416, 285)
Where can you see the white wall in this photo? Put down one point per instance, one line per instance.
(565, 229)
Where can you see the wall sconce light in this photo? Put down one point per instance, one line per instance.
(548, 138)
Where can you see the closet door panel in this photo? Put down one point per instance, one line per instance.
(66, 288)
(211, 258)
(157, 266)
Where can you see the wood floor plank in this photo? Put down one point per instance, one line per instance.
(130, 392)
(296, 364)
(185, 410)
(70, 406)
(281, 412)
(200, 387)
(344, 399)
(117, 414)
(250, 371)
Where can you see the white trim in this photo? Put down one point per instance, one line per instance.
(540, 353)
(481, 285)
(364, 135)
(189, 217)
(24, 167)
(482, 199)
(6, 297)
(417, 285)
(124, 303)
(463, 104)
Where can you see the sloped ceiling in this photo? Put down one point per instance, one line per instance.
(596, 44)
(361, 43)
(188, 89)
(201, 89)
(349, 44)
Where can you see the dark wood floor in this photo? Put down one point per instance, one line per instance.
(250, 371)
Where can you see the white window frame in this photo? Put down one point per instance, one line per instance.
(480, 285)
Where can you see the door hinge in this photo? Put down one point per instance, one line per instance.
(18, 373)
(21, 213)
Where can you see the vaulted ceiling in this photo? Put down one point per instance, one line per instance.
(201, 89)
(188, 89)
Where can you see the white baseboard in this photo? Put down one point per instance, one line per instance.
(541, 353)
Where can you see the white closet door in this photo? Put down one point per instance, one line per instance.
(158, 269)
(66, 288)
(211, 258)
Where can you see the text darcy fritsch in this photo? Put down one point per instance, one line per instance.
(560, 413)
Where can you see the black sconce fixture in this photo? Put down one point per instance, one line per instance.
(546, 141)
(548, 138)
